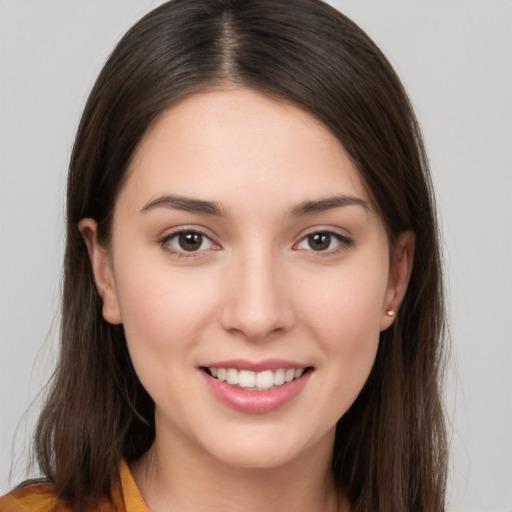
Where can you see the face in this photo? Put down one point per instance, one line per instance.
(252, 276)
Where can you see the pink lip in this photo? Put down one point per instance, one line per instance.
(255, 401)
(255, 366)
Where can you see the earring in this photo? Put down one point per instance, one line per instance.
(390, 312)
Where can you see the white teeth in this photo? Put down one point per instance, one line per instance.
(232, 376)
(246, 379)
(265, 380)
(256, 380)
(289, 375)
(279, 377)
(221, 374)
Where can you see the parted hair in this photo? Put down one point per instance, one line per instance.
(390, 451)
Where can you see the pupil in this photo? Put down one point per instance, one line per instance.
(190, 241)
(319, 241)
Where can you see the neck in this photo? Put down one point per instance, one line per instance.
(179, 477)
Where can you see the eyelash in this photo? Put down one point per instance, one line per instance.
(343, 244)
(165, 243)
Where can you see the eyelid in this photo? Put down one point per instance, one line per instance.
(164, 240)
(344, 241)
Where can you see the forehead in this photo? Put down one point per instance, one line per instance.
(238, 143)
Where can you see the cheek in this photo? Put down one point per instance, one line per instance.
(343, 314)
(165, 315)
(163, 310)
(346, 305)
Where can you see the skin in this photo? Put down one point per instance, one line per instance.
(257, 288)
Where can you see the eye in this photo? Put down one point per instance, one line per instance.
(324, 241)
(188, 242)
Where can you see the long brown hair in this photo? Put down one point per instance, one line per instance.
(390, 449)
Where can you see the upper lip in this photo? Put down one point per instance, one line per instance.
(256, 366)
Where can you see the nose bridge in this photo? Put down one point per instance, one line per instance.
(257, 304)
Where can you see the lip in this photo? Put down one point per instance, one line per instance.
(255, 366)
(255, 402)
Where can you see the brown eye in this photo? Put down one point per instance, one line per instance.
(190, 241)
(327, 242)
(319, 241)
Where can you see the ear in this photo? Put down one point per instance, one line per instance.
(102, 271)
(400, 268)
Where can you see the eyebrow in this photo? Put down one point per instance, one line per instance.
(328, 203)
(186, 204)
(200, 206)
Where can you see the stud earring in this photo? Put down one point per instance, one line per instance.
(390, 312)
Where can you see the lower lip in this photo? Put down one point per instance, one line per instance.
(256, 401)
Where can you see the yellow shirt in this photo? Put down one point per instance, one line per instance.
(40, 498)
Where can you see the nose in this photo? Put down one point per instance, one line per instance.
(257, 302)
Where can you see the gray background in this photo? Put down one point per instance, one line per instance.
(454, 57)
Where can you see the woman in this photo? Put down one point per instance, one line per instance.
(252, 304)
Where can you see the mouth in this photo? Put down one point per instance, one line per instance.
(256, 381)
(256, 387)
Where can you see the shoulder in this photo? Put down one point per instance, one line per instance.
(33, 498)
(42, 498)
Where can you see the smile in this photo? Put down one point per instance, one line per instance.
(256, 381)
(256, 387)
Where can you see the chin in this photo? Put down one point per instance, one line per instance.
(257, 459)
(269, 449)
